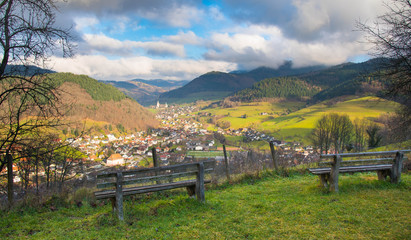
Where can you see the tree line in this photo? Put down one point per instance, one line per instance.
(287, 87)
(335, 132)
(98, 91)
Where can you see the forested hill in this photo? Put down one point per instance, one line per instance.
(280, 87)
(97, 90)
(89, 99)
(209, 85)
(340, 80)
(332, 76)
(286, 69)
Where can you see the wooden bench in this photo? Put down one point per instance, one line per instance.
(387, 163)
(188, 175)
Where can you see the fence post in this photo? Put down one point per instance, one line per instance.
(119, 196)
(335, 168)
(397, 168)
(155, 160)
(10, 178)
(200, 182)
(227, 172)
(275, 160)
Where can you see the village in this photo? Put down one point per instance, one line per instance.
(178, 135)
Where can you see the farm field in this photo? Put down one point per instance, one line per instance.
(271, 207)
(291, 121)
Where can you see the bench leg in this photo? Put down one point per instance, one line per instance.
(397, 168)
(335, 169)
(113, 206)
(199, 188)
(191, 190)
(382, 174)
(324, 180)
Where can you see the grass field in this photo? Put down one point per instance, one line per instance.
(272, 207)
(298, 124)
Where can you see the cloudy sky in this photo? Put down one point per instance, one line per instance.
(182, 39)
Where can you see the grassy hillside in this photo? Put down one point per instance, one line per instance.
(290, 120)
(270, 208)
(298, 125)
(91, 103)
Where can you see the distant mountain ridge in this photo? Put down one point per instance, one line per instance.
(318, 82)
(22, 70)
(163, 83)
(217, 85)
(146, 92)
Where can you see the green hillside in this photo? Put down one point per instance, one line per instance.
(291, 120)
(338, 74)
(273, 207)
(97, 90)
(298, 125)
(281, 87)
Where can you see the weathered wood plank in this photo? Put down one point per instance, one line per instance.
(359, 161)
(119, 196)
(346, 169)
(207, 164)
(135, 180)
(363, 154)
(146, 189)
(227, 170)
(273, 156)
(397, 167)
(335, 168)
(200, 182)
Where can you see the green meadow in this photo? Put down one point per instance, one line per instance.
(264, 207)
(292, 121)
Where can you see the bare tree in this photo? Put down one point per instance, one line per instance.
(321, 135)
(332, 131)
(360, 134)
(27, 100)
(390, 35)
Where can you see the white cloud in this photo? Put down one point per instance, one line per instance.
(102, 68)
(255, 46)
(100, 43)
(176, 16)
(83, 22)
(188, 37)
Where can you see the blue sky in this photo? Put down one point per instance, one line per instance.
(180, 40)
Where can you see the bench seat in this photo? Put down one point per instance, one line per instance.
(389, 165)
(351, 169)
(118, 184)
(146, 189)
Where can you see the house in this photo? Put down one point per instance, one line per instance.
(115, 159)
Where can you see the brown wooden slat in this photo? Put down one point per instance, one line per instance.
(146, 189)
(151, 178)
(362, 168)
(363, 154)
(359, 161)
(156, 169)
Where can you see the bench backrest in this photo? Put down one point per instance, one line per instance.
(156, 175)
(363, 158)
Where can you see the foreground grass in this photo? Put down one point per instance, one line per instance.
(269, 208)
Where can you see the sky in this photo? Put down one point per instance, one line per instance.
(183, 39)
